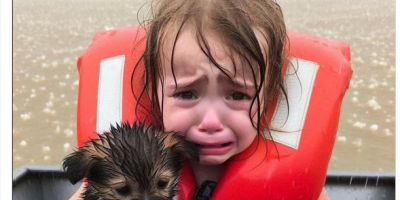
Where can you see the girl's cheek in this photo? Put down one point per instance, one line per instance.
(239, 105)
(169, 124)
(176, 127)
(176, 120)
(184, 104)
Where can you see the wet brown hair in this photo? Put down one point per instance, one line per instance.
(235, 23)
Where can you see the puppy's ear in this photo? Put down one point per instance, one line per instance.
(192, 150)
(78, 163)
(185, 148)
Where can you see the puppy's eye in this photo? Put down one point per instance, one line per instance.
(162, 183)
(123, 190)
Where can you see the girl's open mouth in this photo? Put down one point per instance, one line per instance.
(216, 149)
(219, 145)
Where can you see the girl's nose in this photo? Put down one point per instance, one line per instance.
(210, 122)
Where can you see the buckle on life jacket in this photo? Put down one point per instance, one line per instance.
(205, 190)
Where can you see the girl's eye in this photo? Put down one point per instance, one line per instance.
(186, 95)
(238, 96)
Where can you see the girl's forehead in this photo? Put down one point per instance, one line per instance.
(188, 50)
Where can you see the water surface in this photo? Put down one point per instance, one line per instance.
(49, 35)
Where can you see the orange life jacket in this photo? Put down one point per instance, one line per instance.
(294, 167)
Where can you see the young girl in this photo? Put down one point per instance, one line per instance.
(212, 68)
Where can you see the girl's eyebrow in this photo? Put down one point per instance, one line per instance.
(187, 81)
(237, 81)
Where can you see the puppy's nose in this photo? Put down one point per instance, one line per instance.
(151, 197)
(157, 198)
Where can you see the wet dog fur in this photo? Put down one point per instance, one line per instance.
(131, 162)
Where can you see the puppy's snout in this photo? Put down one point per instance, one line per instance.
(152, 198)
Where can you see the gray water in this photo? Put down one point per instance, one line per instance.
(49, 35)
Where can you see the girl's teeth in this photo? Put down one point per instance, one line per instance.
(215, 146)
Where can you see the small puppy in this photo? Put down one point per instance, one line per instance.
(131, 162)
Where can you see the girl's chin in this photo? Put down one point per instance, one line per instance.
(212, 160)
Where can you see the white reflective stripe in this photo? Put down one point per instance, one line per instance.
(109, 97)
(299, 80)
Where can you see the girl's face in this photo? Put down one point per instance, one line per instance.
(204, 105)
